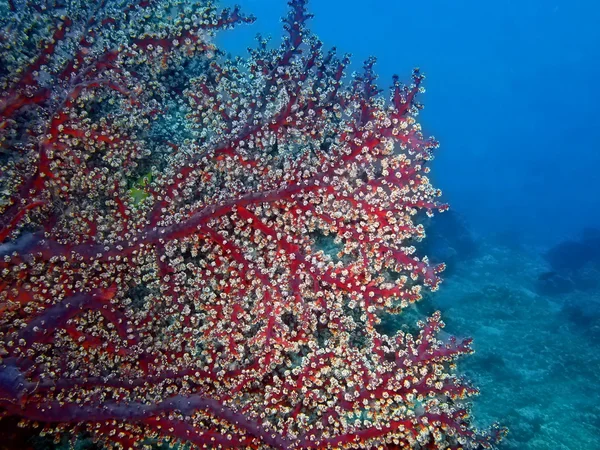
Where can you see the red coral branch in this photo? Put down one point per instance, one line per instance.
(200, 250)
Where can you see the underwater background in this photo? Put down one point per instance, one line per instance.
(514, 99)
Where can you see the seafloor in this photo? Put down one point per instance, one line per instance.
(537, 360)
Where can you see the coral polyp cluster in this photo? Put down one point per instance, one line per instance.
(199, 250)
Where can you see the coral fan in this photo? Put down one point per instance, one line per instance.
(197, 249)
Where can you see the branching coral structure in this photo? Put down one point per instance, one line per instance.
(198, 249)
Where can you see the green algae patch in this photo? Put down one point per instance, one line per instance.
(139, 191)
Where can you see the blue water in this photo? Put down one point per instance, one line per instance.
(513, 96)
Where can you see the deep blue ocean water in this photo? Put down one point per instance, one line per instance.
(513, 97)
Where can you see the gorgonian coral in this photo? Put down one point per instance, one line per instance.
(198, 249)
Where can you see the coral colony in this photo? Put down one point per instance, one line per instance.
(198, 250)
